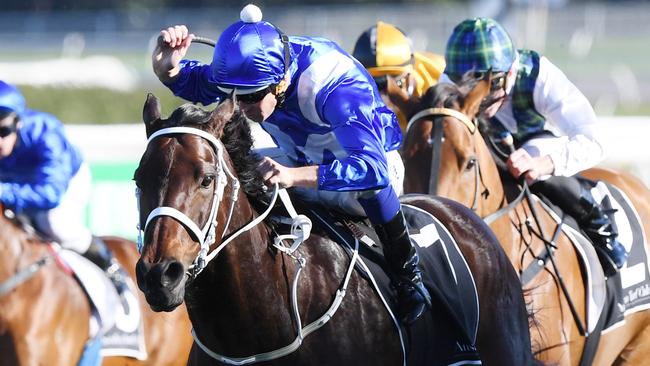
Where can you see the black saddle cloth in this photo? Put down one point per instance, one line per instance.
(451, 325)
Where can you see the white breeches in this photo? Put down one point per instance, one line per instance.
(65, 223)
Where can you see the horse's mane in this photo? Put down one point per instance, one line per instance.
(238, 141)
(449, 95)
(236, 138)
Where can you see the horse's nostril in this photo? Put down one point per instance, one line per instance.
(141, 269)
(172, 274)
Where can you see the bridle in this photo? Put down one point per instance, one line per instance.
(436, 139)
(206, 235)
(22, 275)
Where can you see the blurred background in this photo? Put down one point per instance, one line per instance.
(88, 63)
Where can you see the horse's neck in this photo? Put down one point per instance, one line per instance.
(491, 178)
(500, 190)
(15, 248)
(245, 284)
(247, 290)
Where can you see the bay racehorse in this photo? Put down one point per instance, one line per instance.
(467, 172)
(241, 302)
(44, 320)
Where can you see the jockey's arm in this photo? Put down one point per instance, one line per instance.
(350, 110)
(47, 184)
(287, 177)
(358, 160)
(569, 115)
(192, 83)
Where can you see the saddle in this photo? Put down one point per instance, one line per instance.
(445, 274)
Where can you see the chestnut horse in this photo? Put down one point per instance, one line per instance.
(44, 320)
(246, 305)
(468, 173)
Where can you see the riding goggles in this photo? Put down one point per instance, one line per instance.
(7, 130)
(498, 81)
(401, 81)
(256, 97)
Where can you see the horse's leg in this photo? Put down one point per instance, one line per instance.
(625, 345)
(167, 335)
(554, 333)
(636, 352)
(503, 337)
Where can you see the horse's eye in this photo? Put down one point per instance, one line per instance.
(207, 181)
(471, 163)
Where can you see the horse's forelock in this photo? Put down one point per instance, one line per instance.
(467, 83)
(188, 115)
(191, 115)
(236, 138)
(441, 95)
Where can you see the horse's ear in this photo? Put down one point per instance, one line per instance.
(151, 113)
(472, 102)
(221, 115)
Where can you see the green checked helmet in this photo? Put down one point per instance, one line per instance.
(479, 44)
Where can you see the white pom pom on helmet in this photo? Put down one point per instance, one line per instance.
(250, 14)
(250, 54)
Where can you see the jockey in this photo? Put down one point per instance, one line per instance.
(551, 121)
(323, 110)
(43, 177)
(386, 52)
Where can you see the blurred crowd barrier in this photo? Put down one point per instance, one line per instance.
(601, 46)
(114, 153)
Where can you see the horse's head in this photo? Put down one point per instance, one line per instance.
(443, 139)
(186, 184)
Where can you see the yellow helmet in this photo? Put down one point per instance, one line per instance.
(384, 49)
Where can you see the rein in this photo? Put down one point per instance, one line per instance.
(471, 125)
(23, 275)
(436, 142)
(300, 231)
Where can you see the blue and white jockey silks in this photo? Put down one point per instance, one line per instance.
(46, 179)
(37, 172)
(333, 115)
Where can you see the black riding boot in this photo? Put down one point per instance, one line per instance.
(601, 229)
(100, 255)
(403, 260)
(573, 195)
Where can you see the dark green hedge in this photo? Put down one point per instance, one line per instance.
(102, 106)
(91, 106)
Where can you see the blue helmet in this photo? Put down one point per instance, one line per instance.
(250, 54)
(11, 99)
(479, 44)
